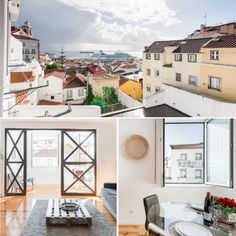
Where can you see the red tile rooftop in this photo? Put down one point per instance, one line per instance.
(49, 103)
(21, 77)
(60, 75)
(187, 146)
(228, 41)
(24, 37)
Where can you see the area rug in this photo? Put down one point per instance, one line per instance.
(36, 224)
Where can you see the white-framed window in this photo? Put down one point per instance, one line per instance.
(183, 156)
(192, 80)
(214, 83)
(148, 55)
(148, 88)
(192, 57)
(214, 55)
(183, 173)
(178, 57)
(157, 56)
(198, 156)
(198, 174)
(157, 73)
(178, 77)
(69, 94)
(27, 59)
(80, 92)
(27, 51)
(148, 72)
(33, 51)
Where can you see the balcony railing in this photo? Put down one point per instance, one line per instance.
(169, 65)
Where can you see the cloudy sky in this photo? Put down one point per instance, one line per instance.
(126, 25)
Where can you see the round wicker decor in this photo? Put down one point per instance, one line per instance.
(136, 147)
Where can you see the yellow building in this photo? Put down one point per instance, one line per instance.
(132, 88)
(206, 66)
(218, 69)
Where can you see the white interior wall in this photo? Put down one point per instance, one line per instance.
(1, 163)
(137, 178)
(106, 140)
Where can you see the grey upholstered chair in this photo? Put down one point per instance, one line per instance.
(148, 203)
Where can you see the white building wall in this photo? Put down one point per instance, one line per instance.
(128, 101)
(39, 111)
(75, 95)
(190, 164)
(3, 49)
(16, 47)
(195, 105)
(30, 45)
(54, 89)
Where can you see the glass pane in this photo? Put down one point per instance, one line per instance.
(11, 151)
(84, 154)
(218, 152)
(184, 156)
(86, 172)
(12, 170)
(45, 149)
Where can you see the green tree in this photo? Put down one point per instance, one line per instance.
(62, 57)
(109, 95)
(53, 66)
(90, 95)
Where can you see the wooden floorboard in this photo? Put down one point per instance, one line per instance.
(14, 211)
(132, 230)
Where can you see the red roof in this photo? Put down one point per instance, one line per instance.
(94, 69)
(60, 75)
(74, 82)
(228, 41)
(24, 37)
(46, 103)
(21, 77)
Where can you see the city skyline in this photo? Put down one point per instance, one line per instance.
(117, 26)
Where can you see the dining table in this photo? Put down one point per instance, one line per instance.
(166, 215)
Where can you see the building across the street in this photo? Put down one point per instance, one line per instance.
(31, 45)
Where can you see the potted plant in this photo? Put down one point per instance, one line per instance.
(227, 208)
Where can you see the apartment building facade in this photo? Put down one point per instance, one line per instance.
(204, 66)
(218, 70)
(185, 163)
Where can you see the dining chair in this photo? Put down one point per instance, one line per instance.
(154, 230)
(148, 203)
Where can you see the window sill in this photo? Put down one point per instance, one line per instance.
(189, 185)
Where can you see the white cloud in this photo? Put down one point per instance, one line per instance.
(126, 22)
(130, 11)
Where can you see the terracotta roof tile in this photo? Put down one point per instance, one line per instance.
(73, 82)
(21, 98)
(191, 45)
(60, 75)
(24, 37)
(159, 46)
(187, 146)
(21, 77)
(46, 103)
(228, 41)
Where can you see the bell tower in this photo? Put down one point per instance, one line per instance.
(27, 28)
